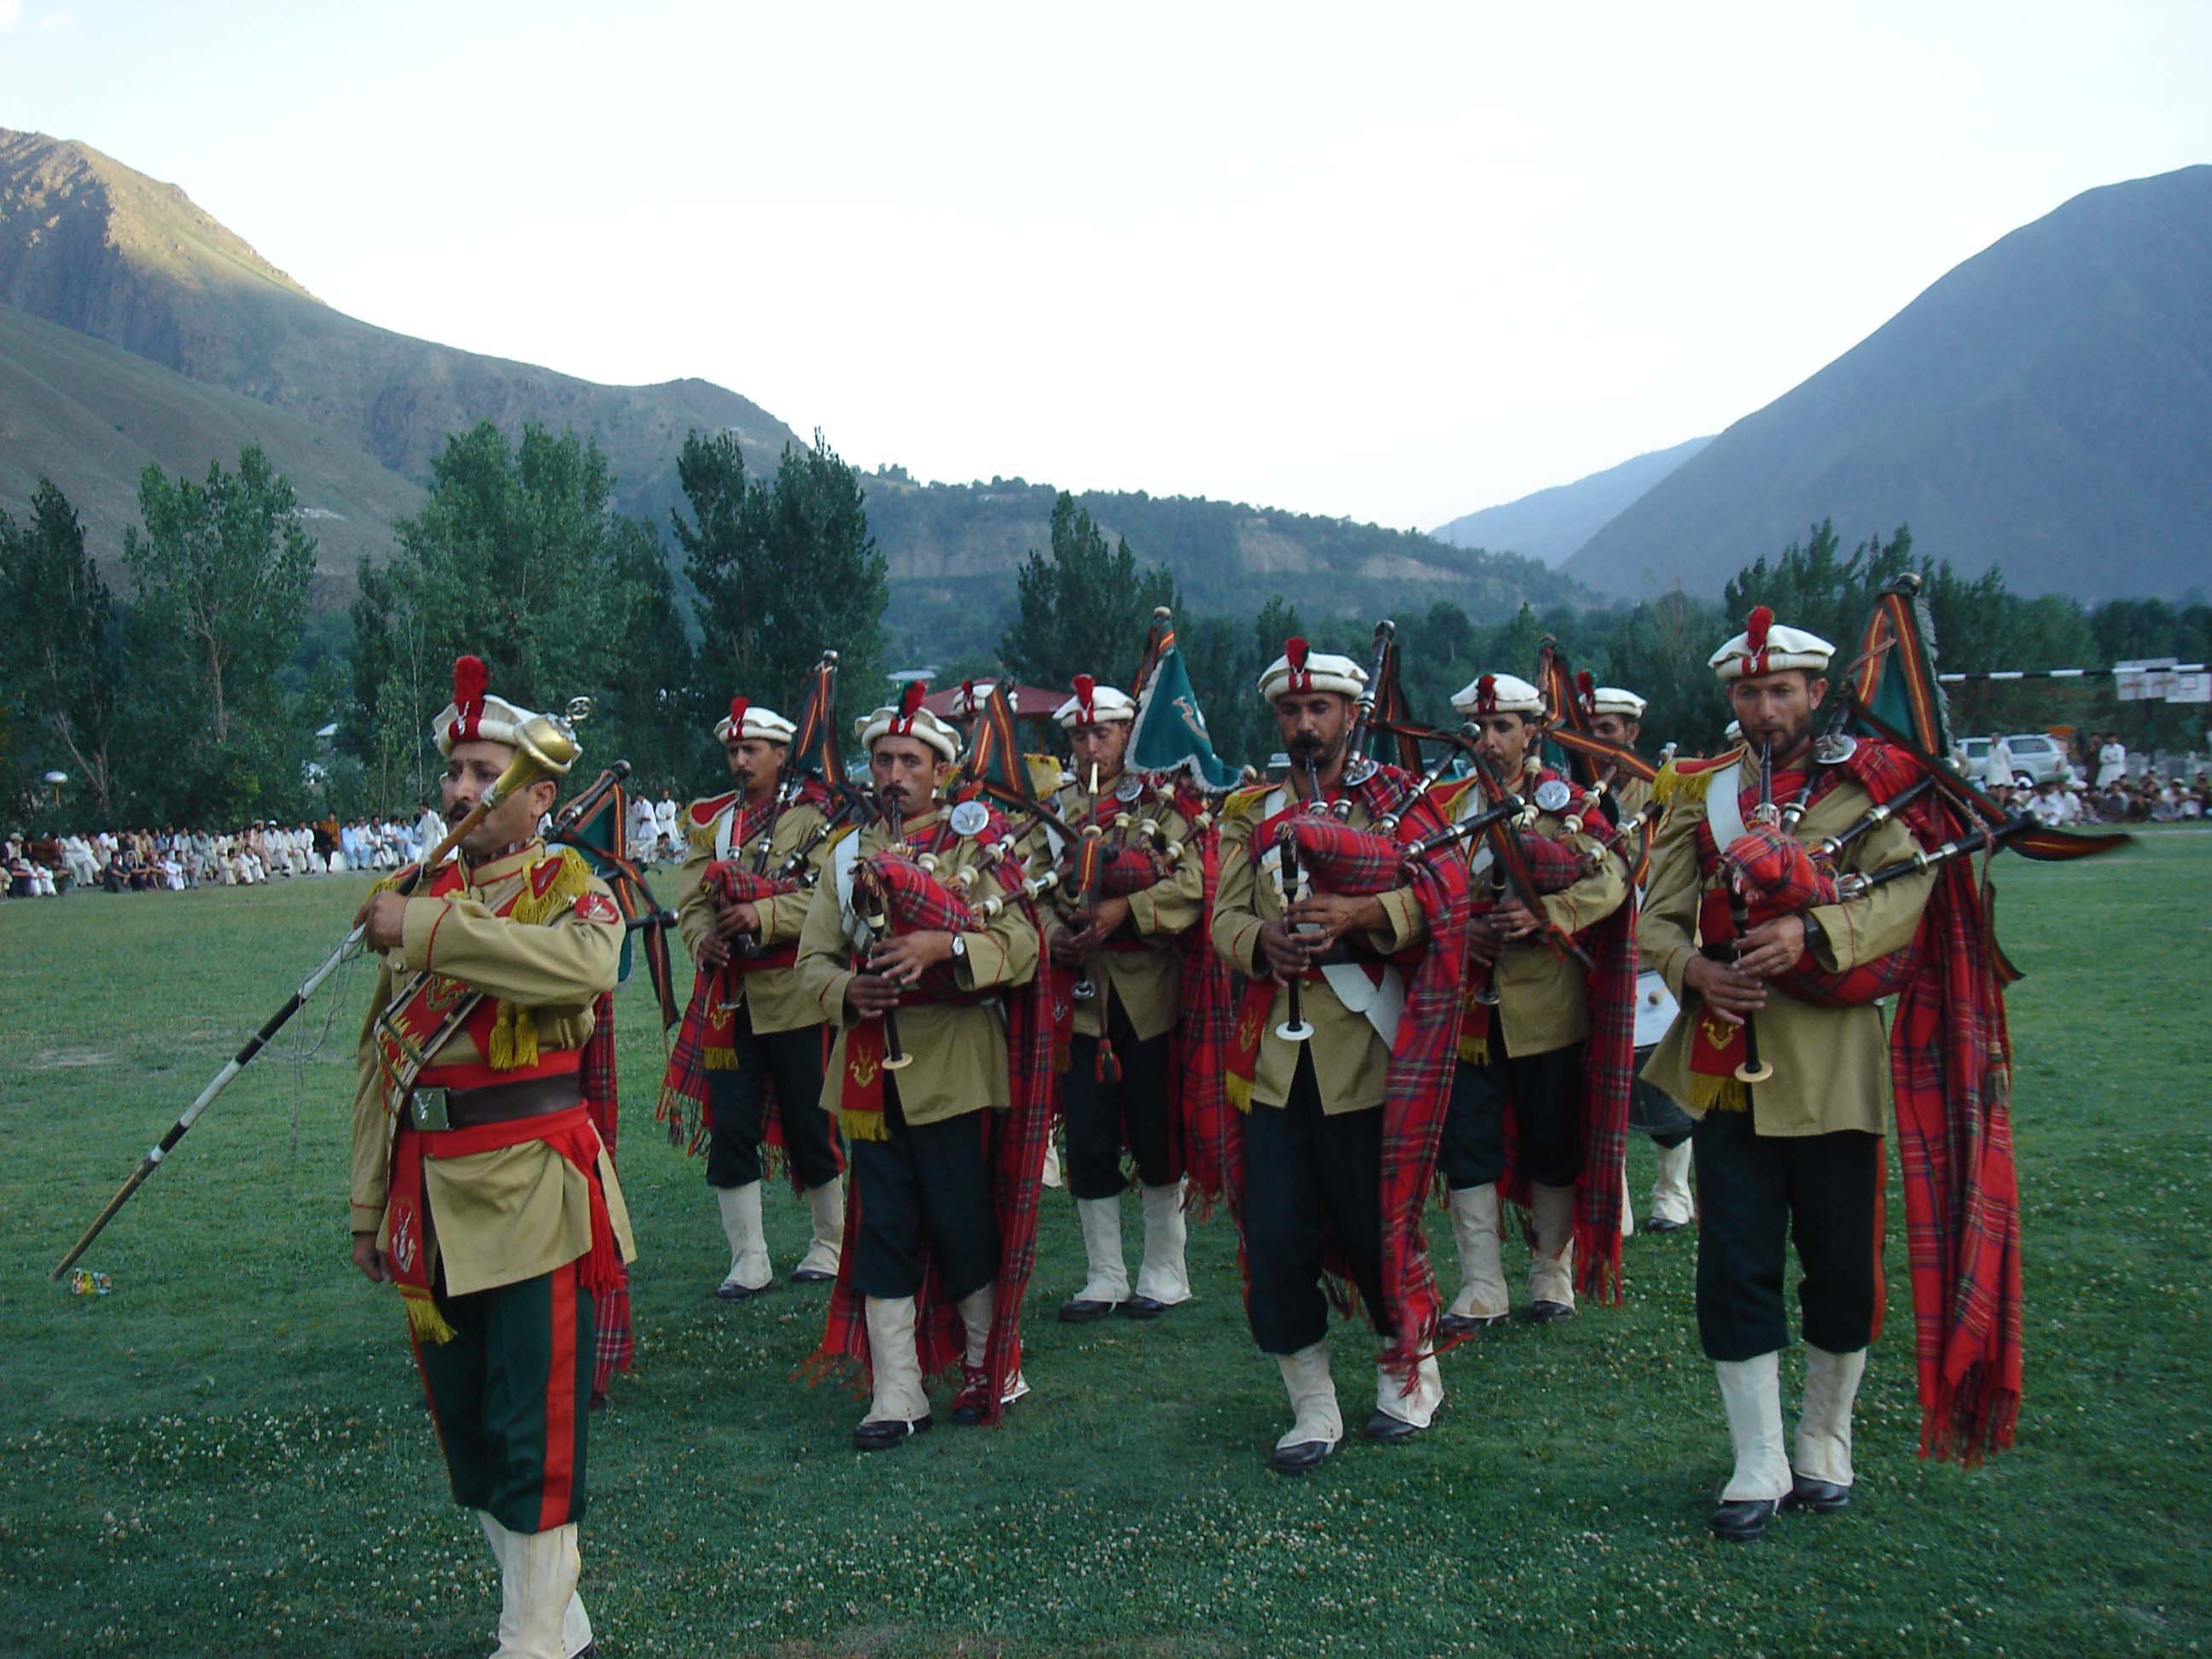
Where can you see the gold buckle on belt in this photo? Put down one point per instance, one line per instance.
(428, 1110)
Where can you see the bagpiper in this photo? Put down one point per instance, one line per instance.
(750, 855)
(1328, 1204)
(1540, 980)
(1123, 942)
(920, 953)
(478, 1181)
(1784, 1067)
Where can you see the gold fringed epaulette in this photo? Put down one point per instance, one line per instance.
(1681, 779)
(1241, 801)
(555, 881)
(390, 883)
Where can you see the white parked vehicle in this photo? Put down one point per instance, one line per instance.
(2035, 756)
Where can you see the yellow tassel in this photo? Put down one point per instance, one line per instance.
(1717, 1094)
(423, 1319)
(1239, 1090)
(514, 1038)
(1475, 1050)
(719, 1060)
(862, 1125)
(391, 882)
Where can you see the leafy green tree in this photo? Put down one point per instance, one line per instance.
(784, 568)
(220, 574)
(61, 668)
(519, 557)
(1084, 608)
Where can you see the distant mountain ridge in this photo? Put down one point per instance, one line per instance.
(227, 348)
(2045, 407)
(89, 245)
(1551, 524)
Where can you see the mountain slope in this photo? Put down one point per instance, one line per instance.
(90, 244)
(2047, 407)
(1552, 523)
(355, 413)
(91, 417)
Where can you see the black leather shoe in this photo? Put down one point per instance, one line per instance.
(1143, 1307)
(728, 1292)
(1816, 1497)
(1469, 1324)
(1743, 1520)
(1306, 1455)
(811, 1276)
(1076, 1311)
(1663, 1226)
(1388, 1430)
(882, 1433)
(1550, 1313)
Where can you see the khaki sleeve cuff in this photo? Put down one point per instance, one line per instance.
(1836, 929)
(1405, 926)
(364, 1217)
(418, 927)
(1145, 911)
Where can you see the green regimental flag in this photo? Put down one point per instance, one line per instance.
(1894, 675)
(598, 835)
(1170, 732)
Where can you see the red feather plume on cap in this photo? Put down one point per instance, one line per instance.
(1586, 688)
(1486, 694)
(1086, 686)
(1296, 648)
(471, 679)
(910, 699)
(737, 707)
(1761, 619)
(967, 694)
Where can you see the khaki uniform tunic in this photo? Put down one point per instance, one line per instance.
(1352, 1062)
(778, 1001)
(1541, 1003)
(1831, 1065)
(959, 1049)
(1147, 983)
(511, 1214)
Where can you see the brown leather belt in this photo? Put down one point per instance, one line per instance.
(498, 1102)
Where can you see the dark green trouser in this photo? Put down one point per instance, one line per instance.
(512, 1394)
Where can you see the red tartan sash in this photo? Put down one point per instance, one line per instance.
(407, 1216)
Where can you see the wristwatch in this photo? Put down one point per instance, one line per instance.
(1815, 935)
(960, 947)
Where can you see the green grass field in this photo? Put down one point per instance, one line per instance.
(228, 1454)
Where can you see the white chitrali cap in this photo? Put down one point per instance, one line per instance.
(1094, 704)
(747, 719)
(1301, 669)
(908, 719)
(1498, 694)
(1612, 700)
(474, 715)
(1766, 645)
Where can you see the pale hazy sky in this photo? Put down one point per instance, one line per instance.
(1396, 262)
